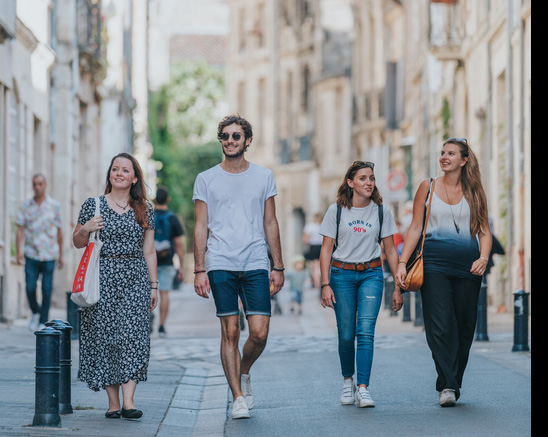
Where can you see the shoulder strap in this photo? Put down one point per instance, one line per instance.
(339, 210)
(430, 195)
(381, 217)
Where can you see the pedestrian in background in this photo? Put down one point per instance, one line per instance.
(312, 237)
(456, 251)
(168, 241)
(234, 212)
(297, 277)
(114, 333)
(38, 224)
(352, 276)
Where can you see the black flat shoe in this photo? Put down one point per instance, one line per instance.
(132, 413)
(113, 414)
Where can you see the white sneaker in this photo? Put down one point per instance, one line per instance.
(363, 398)
(240, 409)
(41, 326)
(348, 392)
(247, 391)
(34, 319)
(448, 398)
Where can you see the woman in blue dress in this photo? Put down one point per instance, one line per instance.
(114, 333)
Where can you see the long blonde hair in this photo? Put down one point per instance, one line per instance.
(472, 187)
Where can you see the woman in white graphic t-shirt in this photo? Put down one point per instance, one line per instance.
(351, 273)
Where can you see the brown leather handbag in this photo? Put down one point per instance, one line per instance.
(415, 265)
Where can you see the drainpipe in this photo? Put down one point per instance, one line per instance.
(510, 141)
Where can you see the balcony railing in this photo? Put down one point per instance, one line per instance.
(445, 30)
(7, 20)
(89, 27)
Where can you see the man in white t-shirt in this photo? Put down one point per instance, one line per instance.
(234, 214)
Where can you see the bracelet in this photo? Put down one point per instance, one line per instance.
(402, 262)
(199, 271)
(154, 288)
(153, 282)
(324, 285)
(481, 257)
(278, 269)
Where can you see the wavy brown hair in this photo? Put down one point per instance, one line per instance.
(472, 187)
(137, 192)
(345, 193)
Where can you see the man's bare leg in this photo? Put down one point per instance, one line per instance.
(256, 342)
(230, 353)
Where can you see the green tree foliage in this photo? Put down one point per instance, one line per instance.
(183, 130)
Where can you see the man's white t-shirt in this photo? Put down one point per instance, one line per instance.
(358, 231)
(235, 216)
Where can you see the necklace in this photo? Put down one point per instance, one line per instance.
(123, 207)
(457, 228)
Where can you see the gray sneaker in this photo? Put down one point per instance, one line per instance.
(247, 391)
(348, 392)
(448, 398)
(240, 409)
(363, 398)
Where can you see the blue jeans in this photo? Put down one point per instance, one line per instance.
(358, 298)
(33, 269)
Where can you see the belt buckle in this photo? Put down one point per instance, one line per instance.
(364, 264)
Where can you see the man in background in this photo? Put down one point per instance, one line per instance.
(38, 224)
(168, 240)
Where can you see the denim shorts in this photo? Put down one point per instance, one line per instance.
(165, 277)
(253, 288)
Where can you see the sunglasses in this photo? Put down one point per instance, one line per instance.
(235, 136)
(462, 140)
(369, 164)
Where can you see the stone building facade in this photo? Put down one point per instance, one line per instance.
(418, 72)
(63, 113)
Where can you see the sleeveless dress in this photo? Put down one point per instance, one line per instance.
(114, 333)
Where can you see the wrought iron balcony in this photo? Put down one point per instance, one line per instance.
(88, 25)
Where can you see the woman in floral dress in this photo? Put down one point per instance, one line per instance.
(115, 339)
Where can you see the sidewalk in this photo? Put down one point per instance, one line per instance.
(187, 393)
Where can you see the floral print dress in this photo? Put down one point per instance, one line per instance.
(114, 333)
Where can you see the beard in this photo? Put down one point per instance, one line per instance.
(238, 154)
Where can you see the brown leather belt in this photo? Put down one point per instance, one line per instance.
(360, 267)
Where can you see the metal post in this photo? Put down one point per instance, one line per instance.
(46, 407)
(406, 307)
(521, 321)
(481, 324)
(72, 316)
(418, 309)
(65, 361)
(388, 292)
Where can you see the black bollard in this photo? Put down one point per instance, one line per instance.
(406, 307)
(481, 324)
(46, 407)
(418, 309)
(521, 321)
(65, 361)
(387, 292)
(72, 316)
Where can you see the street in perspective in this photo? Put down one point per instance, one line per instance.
(353, 175)
(295, 385)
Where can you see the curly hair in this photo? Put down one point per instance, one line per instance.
(240, 121)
